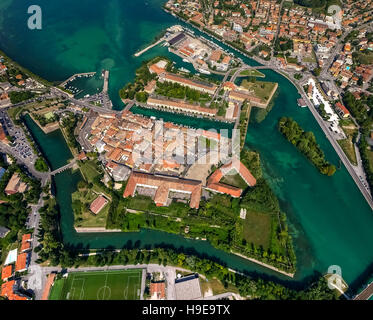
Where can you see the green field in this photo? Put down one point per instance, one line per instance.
(99, 285)
(349, 149)
(261, 89)
(257, 228)
(252, 73)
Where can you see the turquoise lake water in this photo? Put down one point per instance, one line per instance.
(330, 221)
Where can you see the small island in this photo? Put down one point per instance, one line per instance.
(306, 143)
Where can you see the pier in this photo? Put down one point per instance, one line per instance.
(138, 54)
(366, 293)
(106, 81)
(76, 76)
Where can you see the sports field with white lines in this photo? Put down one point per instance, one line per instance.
(99, 285)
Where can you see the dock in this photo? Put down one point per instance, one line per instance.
(76, 76)
(138, 54)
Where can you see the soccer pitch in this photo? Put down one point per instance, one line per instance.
(99, 285)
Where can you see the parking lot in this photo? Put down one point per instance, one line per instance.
(20, 144)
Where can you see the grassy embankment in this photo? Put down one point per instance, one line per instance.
(347, 144)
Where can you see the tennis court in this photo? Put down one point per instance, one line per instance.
(99, 285)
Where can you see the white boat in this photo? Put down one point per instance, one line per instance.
(204, 71)
(185, 60)
(184, 70)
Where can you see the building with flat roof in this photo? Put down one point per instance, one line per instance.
(11, 257)
(163, 185)
(188, 288)
(3, 232)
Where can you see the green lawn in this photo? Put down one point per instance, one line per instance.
(257, 228)
(348, 148)
(252, 73)
(99, 285)
(89, 170)
(88, 219)
(261, 89)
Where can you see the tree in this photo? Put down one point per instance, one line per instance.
(41, 165)
(317, 71)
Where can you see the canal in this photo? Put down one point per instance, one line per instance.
(329, 219)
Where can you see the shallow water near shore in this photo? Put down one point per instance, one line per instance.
(330, 221)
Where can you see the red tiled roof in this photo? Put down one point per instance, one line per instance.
(213, 183)
(164, 184)
(98, 204)
(26, 237)
(21, 263)
(7, 291)
(342, 107)
(6, 272)
(25, 246)
(158, 289)
(189, 82)
(181, 105)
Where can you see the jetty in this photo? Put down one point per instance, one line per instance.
(138, 54)
(77, 75)
(106, 81)
(366, 294)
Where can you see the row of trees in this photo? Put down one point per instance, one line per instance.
(69, 123)
(306, 143)
(19, 96)
(251, 287)
(143, 77)
(362, 111)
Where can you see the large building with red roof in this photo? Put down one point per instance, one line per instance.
(214, 185)
(163, 185)
(193, 84)
(22, 262)
(181, 106)
(9, 291)
(6, 272)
